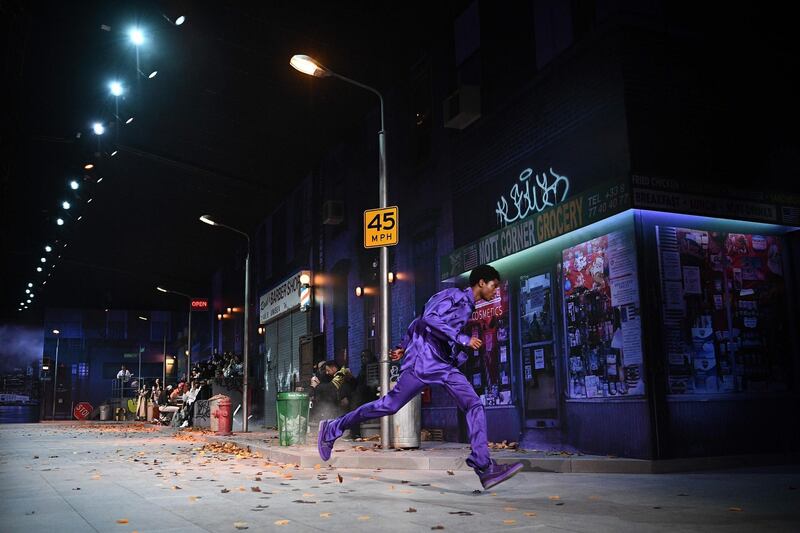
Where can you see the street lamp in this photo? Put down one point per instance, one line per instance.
(311, 67)
(65, 204)
(189, 333)
(98, 129)
(74, 185)
(245, 399)
(116, 90)
(55, 372)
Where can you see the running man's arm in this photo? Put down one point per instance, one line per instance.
(437, 315)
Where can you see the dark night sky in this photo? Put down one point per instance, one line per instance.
(225, 128)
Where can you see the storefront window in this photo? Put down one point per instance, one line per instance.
(602, 320)
(724, 311)
(489, 368)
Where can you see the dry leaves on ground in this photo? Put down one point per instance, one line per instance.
(240, 525)
(229, 448)
(367, 439)
(505, 445)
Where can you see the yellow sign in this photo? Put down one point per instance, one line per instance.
(381, 227)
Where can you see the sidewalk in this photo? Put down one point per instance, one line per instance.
(451, 456)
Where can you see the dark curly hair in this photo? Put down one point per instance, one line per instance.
(483, 272)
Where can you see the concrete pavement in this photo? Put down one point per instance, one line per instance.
(92, 477)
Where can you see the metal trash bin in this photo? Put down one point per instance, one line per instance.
(292, 410)
(105, 412)
(406, 424)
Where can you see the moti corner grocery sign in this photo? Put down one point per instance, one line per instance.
(381, 227)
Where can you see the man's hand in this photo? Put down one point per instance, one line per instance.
(314, 381)
(396, 354)
(475, 343)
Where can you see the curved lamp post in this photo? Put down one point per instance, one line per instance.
(310, 66)
(245, 399)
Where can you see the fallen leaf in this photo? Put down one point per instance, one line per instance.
(735, 509)
(509, 509)
(122, 521)
(224, 491)
(450, 473)
(304, 501)
(411, 510)
(193, 498)
(176, 487)
(461, 513)
(307, 495)
(95, 477)
(437, 527)
(317, 466)
(281, 522)
(363, 517)
(255, 489)
(509, 522)
(530, 514)
(555, 497)
(598, 497)
(240, 525)
(340, 477)
(324, 515)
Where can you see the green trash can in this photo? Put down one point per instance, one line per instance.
(292, 418)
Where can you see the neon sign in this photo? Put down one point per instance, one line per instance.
(532, 196)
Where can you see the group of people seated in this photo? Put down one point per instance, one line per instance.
(171, 405)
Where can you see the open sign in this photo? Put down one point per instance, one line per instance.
(199, 304)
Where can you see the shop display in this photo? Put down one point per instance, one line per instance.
(724, 311)
(601, 313)
(489, 368)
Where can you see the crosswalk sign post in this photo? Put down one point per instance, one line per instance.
(381, 227)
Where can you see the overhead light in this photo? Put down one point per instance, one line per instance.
(27, 291)
(88, 202)
(44, 282)
(38, 269)
(74, 185)
(129, 120)
(390, 277)
(153, 74)
(180, 20)
(99, 180)
(98, 128)
(28, 300)
(136, 35)
(113, 153)
(30, 284)
(47, 248)
(309, 66)
(116, 88)
(80, 217)
(143, 318)
(43, 260)
(56, 332)
(161, 289)
(88, 166)
(359, 291)
(60, 221)
(65, 204)
(207, 220)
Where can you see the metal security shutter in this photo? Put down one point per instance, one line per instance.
(271, 375)
(299, 329)
(285, 353)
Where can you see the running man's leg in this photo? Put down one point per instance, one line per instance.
(406, 387)
(462, 392)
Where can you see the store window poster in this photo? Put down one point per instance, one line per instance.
(490, 366)
(603, 323)
(536, 316)
(732, 320)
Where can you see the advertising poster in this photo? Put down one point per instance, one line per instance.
(732, 311)
(601, 309)
(536, 317)
(489, 368)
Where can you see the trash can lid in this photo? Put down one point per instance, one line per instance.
(292, 395)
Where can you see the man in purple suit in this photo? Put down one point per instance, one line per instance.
(434, 347)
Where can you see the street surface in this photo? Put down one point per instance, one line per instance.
(64, 477)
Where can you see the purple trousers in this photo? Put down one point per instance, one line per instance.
(409, 385)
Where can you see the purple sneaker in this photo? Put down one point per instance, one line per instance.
(494, 474)
(324, 447)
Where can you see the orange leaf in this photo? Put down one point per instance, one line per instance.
(324, 515)
(122, 521)
(510, 509)
(509, 522)
(555, 497)
(363, 517)
(281, 522)
(530, 514)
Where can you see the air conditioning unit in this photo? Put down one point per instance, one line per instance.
(332, 212)
(463, 107)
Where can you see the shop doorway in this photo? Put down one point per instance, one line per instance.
(539, 366)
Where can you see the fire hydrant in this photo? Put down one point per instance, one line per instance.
(223, 415)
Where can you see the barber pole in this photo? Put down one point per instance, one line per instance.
(305, 298)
